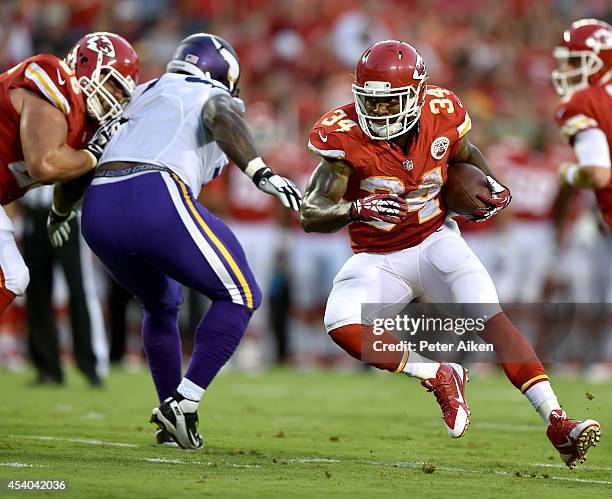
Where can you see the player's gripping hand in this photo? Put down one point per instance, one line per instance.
(281, 187)
(500, 198)
(103, 136)
(58, 226)
(384, 207)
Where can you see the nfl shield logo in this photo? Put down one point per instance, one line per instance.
(408, 165)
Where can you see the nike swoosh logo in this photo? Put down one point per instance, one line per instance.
(460, 397)
(568, 443)
(60, 80)
(322, 137)
(192, 437)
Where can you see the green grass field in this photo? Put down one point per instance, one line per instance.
(290, 434)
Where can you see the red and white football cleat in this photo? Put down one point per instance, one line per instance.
(449, 388)
(572, 439)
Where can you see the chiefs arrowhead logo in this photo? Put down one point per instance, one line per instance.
(439, 147)
(600, 40)
(101, 44)
(420, 71)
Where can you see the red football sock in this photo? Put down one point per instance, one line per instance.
(358, 341)
(520, 362)
(6, 298)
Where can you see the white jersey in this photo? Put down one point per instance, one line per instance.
(164, 127)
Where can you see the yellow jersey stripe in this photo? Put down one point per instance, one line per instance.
(333, 153)
(532, 382)
(466, 126)
(40, 78)
(222, 249)
(403, 362)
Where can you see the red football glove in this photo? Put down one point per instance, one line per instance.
(500, 198)
(384, 207)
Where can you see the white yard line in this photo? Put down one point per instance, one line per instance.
(21, 465)
(310, 460)
(76, 440)
(199, 463)
(562, 466)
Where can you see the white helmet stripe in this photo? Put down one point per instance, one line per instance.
(234, 68)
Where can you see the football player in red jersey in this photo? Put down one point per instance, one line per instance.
(584, 81)
(50, 109)
(384, 161)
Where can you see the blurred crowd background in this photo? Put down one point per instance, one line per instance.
(297, 57)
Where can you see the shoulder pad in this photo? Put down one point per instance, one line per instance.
(574, 115)
(53, 80)
(333, 134)
(447, 110)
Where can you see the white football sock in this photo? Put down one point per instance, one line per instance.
(543, 399)
(190, 390)
(420, 367)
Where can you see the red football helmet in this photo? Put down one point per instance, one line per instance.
(98, 58)
(584, 56)
(386, 70)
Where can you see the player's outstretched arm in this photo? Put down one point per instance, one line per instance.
(43, 132)
(223, 117)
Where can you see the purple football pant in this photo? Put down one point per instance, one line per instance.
(152, 234)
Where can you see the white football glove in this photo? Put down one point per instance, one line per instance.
(58, 227)
(281, 187)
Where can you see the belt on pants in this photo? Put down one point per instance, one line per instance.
(141, 167)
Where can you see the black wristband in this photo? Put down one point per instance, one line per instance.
(262, 173)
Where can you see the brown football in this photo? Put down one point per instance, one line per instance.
(463, 183)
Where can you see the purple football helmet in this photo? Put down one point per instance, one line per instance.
(207, 56)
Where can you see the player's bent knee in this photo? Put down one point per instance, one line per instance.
(341, 311)
(17, 281)
(348, 337)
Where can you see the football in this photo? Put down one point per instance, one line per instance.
(463, 183)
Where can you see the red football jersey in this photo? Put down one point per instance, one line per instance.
(530, 175)
(50, 78)
(589, 108)
(380, 166)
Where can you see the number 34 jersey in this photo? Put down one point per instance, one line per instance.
(380, 166)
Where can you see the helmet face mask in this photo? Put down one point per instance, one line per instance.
(408, 101)
(103, 60)
(207, 56)
(584, 57)
(394, 74)
(101, 103)
(575, 69)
